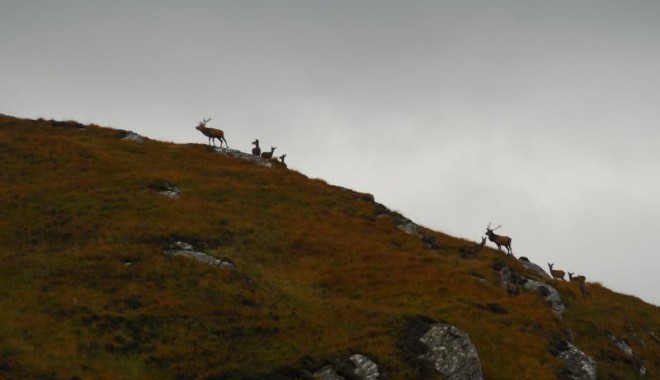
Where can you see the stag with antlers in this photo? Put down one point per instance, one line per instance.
(211, 133)
(499, 240)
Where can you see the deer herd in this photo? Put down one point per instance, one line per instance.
(469, 250)
(214, 133)
(505, 241)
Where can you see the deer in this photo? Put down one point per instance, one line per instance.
(576, 278)
(499, 240)
(269, 155)
(256, 151)
(472, 249)
(556, 273)
(583, 287)
(282, 157)
(211, 133)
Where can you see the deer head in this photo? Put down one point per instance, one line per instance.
(202, 123)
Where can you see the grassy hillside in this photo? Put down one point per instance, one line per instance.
(86, 291)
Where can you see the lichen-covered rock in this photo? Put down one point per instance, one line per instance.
(365, 369)
(440, 348)
(131, 136)
(510, 278)
(244, 156)
(327, 373)
(183, 249)
(356, 366)
(621, 344)
(579, 366)
(533, 267)
(165, 188)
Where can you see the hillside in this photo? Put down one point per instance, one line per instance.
(101, 276)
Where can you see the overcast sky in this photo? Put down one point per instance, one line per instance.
(541, 116)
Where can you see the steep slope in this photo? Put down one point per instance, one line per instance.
(321, 272)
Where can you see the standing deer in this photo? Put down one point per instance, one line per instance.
(269, 155)
(471, 249)
(556, 273)
(576, 278)
(584, 288)
(282, 157)
(499, 240)
(256, 151)
(211, 133)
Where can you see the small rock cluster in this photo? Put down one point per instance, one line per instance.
(244, 156)
(165, 188)
(406, 225)
(356, 366)
(184, 249)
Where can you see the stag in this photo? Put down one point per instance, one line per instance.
(499, 240)
(211, 133)
(471, 249)
(256, 151)
(556, 273)
(268, 155)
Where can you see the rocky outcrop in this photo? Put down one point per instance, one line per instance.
(356, 366)
(440, 348)
(165, 188)
(244, 156)
(511, 279)
(579, 366)
(406, 225)
(533, 267)
(131, 136)
(183, 249)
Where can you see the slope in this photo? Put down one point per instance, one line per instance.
(87, 292)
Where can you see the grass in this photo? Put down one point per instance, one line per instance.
(86, 291)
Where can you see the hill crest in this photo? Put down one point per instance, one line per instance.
(325, 276)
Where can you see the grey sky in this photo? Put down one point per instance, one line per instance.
(542, 116)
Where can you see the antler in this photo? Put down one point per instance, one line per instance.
(203, 122)
(492, 229)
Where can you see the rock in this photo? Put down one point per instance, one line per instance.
(365, 369)
(356, 366)
(184, 249)
(165, 188)
(327, 373)
(131, 136)
(244, 156)
(511, 279)
(440, 348)
(579, 366)
(621, 344)
(408, 227)
(533, 267)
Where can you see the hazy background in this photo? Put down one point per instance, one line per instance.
(542, 116)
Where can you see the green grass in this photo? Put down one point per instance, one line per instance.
(86, 291)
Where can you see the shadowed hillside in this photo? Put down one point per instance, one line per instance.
(128, 258)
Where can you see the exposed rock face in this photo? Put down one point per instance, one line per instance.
(131, 136)
(186, 250)
(621, 344)
(165, 188)
(511, 278)
(244, 156)
(533, 267)
(356, 366)
(441, 348)
(579, 366)
(406, 225)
